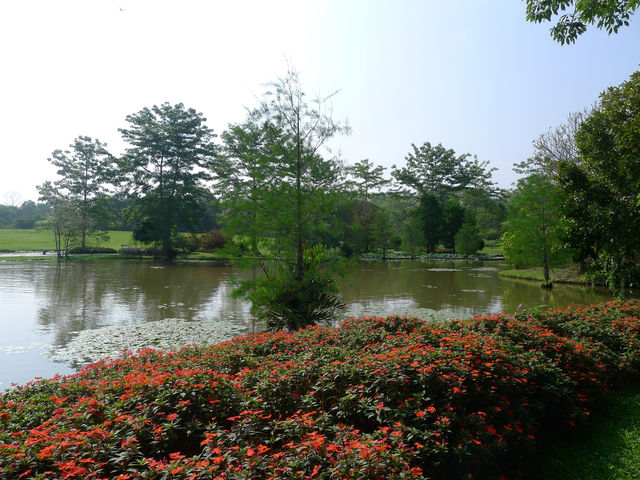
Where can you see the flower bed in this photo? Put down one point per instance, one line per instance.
(376, 398)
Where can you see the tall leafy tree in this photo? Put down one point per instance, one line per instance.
(573, 16)
(84, 170)
(601, 191)
(64, 217)
(366, 178)
(244, 172)
(297, 201)
(303, 178)
(169, 154)
(467, 239)
(383, 231)
(534, 230)
(430, 212)
(452, 219)
(440, 171)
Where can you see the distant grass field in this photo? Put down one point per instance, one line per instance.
(17, 239)
(491, 247)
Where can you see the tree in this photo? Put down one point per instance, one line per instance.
(608, 15)
(534, 229)
(453, 215)
(13, 199)
(367, 177)
(83, 169)
(303, 179)
(601, 192)
(64, 218)
(440, 171)
(244, 172)
(164, 167)
(297, 200)
(555, 146)
(468, 240)
(383, 231)
(430, 213)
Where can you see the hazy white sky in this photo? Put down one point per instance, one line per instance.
(472, 75)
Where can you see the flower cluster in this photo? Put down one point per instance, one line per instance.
(376, 398)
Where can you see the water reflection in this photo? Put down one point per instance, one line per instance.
(461, 288)
(44, 302)
(86, 295)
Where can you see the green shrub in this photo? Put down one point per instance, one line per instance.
(211, 240)
(91, 250)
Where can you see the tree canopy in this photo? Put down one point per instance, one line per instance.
(573, 16)
(534, 229)
(440, 171)
(601, 191)
(170, 152)
(84, 169)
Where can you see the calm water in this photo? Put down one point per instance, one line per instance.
(44, 304)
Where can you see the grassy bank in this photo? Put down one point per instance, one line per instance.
(608, 447)
(564, 274)
(16, 239)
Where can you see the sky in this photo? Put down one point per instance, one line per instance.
(472, 75)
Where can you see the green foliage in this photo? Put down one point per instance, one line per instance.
(288, 188)
(64, 220)
(430, 213)
(244, 173)
(439, 171)
(92, 250)
(209, 241)
(467, 239)
(534, 231)
(606, 447)
(601, 192)
(163, 168)
(366, 178)
(285, 300)
(383, 232)
(452, 219)
(609, 15)
(84, 169)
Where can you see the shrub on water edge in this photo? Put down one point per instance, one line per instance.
(211, 240)
(375, 398)
(91, 250)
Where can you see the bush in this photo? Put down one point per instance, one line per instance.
(188, 243)
(209, 241)
(91, 250)
(140, 251)
(392, 398)
(284, 301)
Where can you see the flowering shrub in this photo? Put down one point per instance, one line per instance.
(376, 398)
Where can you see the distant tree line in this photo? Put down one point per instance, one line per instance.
(270, 183)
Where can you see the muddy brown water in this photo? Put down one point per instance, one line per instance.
(45, 304)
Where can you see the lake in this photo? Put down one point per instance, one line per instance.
(58, 316)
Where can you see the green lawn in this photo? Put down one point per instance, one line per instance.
(491, 247)
(16, 239)
(569, 273)
(607, 447)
